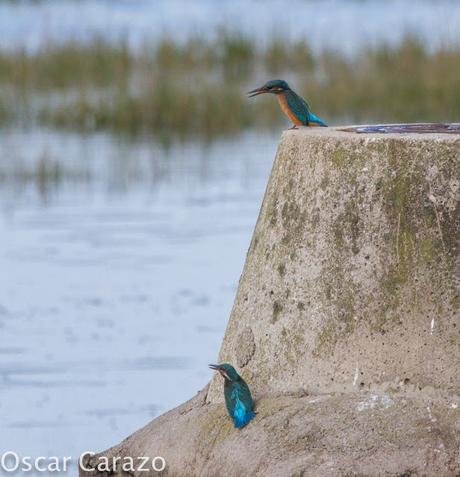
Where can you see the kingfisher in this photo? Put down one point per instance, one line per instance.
(295, 107)
(238, 399)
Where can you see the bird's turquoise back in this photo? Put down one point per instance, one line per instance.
(238, 400)
(301, 110)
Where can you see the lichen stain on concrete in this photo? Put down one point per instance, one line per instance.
(408, 208)
(277, 309)
(339, 157)
(326, 339)
(292, 343)
(281, 269)
(245, 347)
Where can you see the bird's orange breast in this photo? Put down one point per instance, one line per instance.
(287, 110)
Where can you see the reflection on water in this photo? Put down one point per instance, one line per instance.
(118, 275)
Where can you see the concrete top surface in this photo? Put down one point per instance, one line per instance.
(451, 132)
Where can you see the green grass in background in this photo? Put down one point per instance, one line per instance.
(197, 89)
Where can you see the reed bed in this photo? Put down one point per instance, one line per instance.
(172, 89)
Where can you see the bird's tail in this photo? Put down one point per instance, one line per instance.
(317, 122)
(242, 421)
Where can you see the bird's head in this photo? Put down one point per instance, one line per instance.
(227, 371)
(273, 86)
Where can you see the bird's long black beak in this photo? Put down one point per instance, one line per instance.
(220, 370)
(256, 92)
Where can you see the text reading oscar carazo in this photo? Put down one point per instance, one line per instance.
(11, 461)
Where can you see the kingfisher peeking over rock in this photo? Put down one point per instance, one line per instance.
(295, 107)
(238, 399)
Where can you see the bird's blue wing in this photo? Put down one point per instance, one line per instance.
(301, 109)
(298, 106)
(243, 405)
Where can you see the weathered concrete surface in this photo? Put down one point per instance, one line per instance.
(350, 294)
(354, 266)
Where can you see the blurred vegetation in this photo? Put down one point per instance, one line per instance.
(197, 88)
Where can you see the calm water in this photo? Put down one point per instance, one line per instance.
(345, 25)
(119, 260)
(116, 280)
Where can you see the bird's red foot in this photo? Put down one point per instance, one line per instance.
(293, 127)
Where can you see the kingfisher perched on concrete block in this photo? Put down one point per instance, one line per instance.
(295, 107)
(238, 399)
